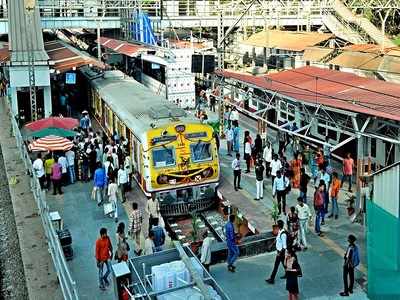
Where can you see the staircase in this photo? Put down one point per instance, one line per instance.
(341, 27)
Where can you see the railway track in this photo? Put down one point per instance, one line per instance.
(12, 277)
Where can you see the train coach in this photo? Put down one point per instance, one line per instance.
(173, 154)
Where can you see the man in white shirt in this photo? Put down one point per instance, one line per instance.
(205, 258)
(236, 172)
(153, 209)
(281, 246)
(64, 169)
(229, 139)
(279, 187)
(267, 156)
(304, 214)
(149, 244)
(38, 168)
(234, 116)
(276, 165)
(70, 156)
(122, 182)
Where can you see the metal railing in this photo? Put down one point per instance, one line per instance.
(68, 285)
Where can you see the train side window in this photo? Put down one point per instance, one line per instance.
(163, 157)
(200, 152)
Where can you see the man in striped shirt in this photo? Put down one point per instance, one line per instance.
(135, 227)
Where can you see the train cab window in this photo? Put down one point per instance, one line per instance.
(163, 157)
(200, 152)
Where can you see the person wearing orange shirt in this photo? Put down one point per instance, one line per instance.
(103, 255)
(335, 187)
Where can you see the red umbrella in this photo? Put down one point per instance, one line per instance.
(51, 143)
(57, 122)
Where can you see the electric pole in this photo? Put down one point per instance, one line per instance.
(30, 14)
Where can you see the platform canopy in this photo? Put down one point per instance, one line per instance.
(123, 47)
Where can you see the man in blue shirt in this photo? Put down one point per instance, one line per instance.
(233, 249)
(100, 181)
(159, 236)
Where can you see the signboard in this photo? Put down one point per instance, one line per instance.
(70, 78)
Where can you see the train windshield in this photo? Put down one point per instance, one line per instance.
(163, 157)
(200, 151)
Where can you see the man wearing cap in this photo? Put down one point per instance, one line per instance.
(351, 261)
(85, 123)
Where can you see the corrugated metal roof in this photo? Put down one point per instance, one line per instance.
(334, 89)
(373, 48)
(368, 61)
(20, 34)
(287, 40)
(122, 47)
(357, 60)
(316, 54)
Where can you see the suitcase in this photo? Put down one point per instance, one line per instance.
(64, 237)
(68, 252)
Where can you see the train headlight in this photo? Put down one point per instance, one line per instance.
(162, 179)
(180, 128)
(207, 172)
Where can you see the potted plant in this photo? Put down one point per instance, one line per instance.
(350, 202)
(195, 244)
(275, 217)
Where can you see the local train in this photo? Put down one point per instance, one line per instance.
(173, 154)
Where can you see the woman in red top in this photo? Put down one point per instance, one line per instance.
(319, 206)
(56, 175)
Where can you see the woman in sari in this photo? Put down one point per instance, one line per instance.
(296, 166)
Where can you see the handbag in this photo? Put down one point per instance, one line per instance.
(108, 208)
(93, 195)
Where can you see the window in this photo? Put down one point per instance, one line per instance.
(200, 151)
(154, 70)
(163, 157)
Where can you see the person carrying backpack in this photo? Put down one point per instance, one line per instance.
(351, 261)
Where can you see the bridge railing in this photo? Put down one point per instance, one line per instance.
(67, 283)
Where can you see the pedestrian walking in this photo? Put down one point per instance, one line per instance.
(293, 272)
(135, 227)
(129, 171)
(56, 176)
(281, 246)
(348, 166)
(319, 207)
(122, 252)
(153, 209)
(229, 139)
(335, 187)
(103, 254)
(85, 122)
(259, 170)
(38, 168)
(293, 227)
(304, 180)
(233, 249)
(234, 116)
(257, 149)
(159, 235)
(48, 164)
(351, 261)
(99, 183)
(267, 156)
(122, 182)
(112, 197)
(236, 136)
(276, 166)
(237, 172)
(205, 257)
(304, 215)
(64, 169)
(247, 153)
(149, 247)
(279, 189)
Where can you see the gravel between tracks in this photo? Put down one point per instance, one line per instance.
(12, 277)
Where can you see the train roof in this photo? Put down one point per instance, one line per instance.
(136, 105)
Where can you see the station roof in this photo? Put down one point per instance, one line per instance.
(330, 88)
(287, 40)
(369, 57)
(316, 53)
(66, 57)
(122, 47)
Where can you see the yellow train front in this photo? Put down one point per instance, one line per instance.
(174, 155)
(181, 166)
